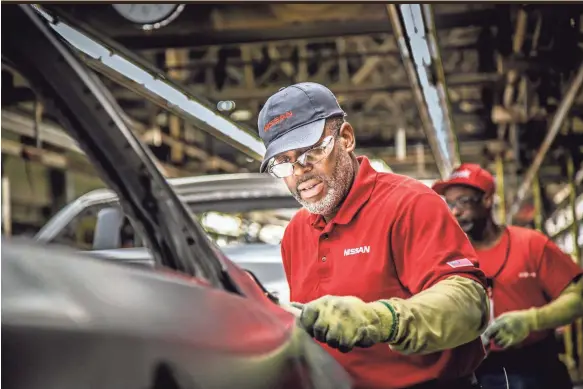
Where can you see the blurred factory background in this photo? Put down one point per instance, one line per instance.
(496, 75)
(425, 87)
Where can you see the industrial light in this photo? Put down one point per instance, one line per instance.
(401, 144)
(271, 234)
(226, 106)
(221, 223)
(380, 166)
(241, 115)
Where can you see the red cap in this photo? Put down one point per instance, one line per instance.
(468, 174)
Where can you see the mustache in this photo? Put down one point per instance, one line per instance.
(308, 178)
(466, 225)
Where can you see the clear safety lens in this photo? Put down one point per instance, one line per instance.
(282, 170)
(309, 158)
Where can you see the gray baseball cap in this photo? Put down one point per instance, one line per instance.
(294, 118)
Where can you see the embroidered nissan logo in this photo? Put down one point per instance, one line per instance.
(357, 250)
(277, 120)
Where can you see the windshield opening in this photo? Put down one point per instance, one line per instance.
(262, 226)
(226, 229)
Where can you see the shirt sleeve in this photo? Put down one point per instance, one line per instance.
(429, 245)
(556, 269)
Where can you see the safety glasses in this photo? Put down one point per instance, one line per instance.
(463, 202)
(311, 157)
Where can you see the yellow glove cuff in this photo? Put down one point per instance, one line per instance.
(564, 310)
(530, 317)
(389, 319)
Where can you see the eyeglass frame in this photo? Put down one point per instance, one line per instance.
(327, 142)
(464, 202)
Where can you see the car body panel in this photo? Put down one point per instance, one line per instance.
(64, 313)
(264, 260)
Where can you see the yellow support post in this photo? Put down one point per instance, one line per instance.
(569, 359)
(576, 254)
(573, 208)
(500, 188)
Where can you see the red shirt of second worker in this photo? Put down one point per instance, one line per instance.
(527, 270)
(527, 274)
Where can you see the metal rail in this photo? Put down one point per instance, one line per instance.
(441, 85)
(435, 115)
(154, 85)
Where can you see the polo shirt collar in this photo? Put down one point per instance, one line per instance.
(358, 196)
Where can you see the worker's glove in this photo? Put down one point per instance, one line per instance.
(346, 322)
(510, 328)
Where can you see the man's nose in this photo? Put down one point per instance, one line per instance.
(300, 170)
(456, 212)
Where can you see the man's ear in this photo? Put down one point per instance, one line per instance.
(347, 137)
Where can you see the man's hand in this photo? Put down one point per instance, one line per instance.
(346, 322)
(510, 328)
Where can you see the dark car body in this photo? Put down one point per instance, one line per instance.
(191, 320)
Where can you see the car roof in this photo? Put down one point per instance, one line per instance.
(214, 189)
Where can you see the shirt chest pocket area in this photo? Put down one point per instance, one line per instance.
(305, 278)
(364, 271)
(521, 280)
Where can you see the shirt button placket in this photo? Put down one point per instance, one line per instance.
(324, 256)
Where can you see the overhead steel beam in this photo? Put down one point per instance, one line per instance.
(53, 135)
(48, 133)
(303, 31)
(374, 87)
(468, 148)
(242, 94)
(153, 85)
(430, 95)
(554, 127)
(45, 157)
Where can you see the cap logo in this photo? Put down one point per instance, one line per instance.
(277, 120)
(460, 174)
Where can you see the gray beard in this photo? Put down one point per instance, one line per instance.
(338, 186)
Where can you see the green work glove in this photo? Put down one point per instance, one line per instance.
(347, 322)
(511, 328)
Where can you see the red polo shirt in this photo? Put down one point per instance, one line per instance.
(392, 237)
(529, 270)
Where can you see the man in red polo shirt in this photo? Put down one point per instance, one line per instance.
(386, 276)
(534, 288)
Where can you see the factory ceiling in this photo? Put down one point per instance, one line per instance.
(507, 69)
